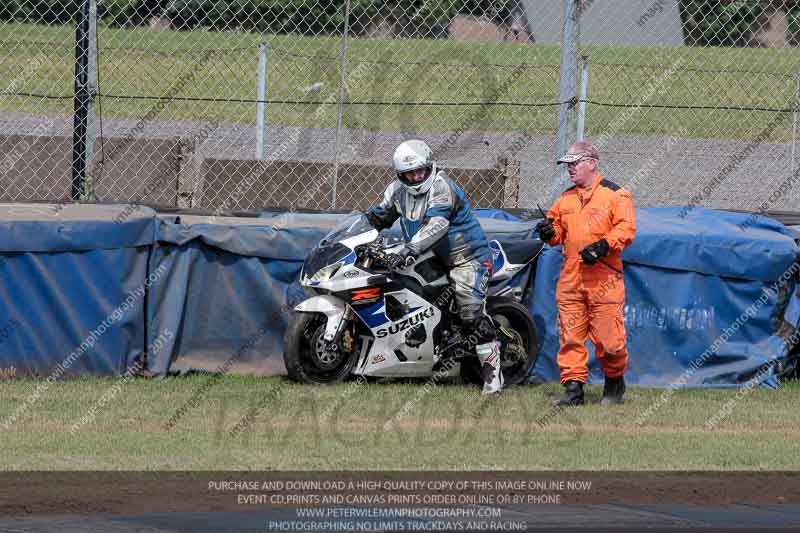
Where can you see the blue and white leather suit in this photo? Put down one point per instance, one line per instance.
(440, 219)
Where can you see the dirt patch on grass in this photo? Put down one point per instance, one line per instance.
(85, 493)
(570, 427)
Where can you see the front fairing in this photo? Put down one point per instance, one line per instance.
(337, 249)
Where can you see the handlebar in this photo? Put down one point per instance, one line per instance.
(376, 251)
(377, 248)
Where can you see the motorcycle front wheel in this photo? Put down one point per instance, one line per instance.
(307, 358)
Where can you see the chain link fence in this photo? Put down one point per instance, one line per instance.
(246, 104)
(693, 102)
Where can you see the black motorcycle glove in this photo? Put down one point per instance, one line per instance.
(373, 220)
(592, 253)
(403, 258)
(393, 261)
(545, 229)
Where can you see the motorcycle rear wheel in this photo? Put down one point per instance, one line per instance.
(519, 343)
(304, 355)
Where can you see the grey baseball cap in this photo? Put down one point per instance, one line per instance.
(580, 150)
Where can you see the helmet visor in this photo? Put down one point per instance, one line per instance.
(414, 177)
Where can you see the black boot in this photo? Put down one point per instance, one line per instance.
(573, 395)
(613, 390)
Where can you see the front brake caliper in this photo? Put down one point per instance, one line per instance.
(347, 341)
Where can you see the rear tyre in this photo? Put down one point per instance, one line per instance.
(305, 356)
(519, 343)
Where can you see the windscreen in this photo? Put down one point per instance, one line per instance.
(354, 224)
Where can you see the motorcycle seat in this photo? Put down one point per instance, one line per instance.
(521, 252)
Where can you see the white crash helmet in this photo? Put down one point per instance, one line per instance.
(411, 155)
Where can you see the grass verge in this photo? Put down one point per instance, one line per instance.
(284, 426)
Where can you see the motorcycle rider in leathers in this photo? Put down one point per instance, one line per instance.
(435, 214)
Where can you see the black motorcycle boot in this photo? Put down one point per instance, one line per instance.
(613, 390)
(573, 395)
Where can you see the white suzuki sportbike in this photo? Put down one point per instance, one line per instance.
(371, 321)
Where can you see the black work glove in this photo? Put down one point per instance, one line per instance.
(545, 229)
(592, 253)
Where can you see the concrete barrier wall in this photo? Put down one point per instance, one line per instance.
(138, 170)
(124, 169)
(35, 167)
(169, 172)
(240, 184)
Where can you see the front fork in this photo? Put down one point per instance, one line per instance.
(336, 312)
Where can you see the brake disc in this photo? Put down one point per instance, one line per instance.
(326, 356)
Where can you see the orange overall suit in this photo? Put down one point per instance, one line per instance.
(590, 298)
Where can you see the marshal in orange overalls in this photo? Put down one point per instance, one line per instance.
(590, 298)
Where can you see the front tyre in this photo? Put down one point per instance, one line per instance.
(306, 357)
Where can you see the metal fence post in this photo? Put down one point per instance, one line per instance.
(565, 130)
(91, 122)
(340, 102)
(794, 121)
(262, 95)
(81, 135)
(582, 96)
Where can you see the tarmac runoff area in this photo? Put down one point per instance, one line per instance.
(610, 517)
